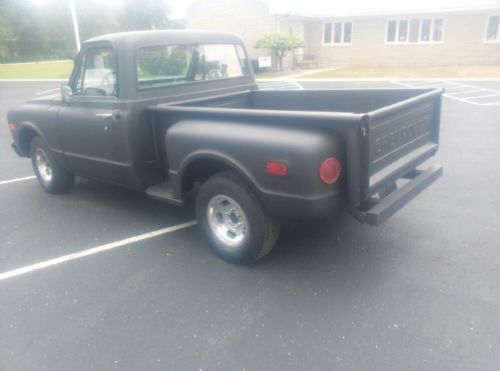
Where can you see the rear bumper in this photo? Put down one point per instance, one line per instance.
(377, 211)
(302, 208)
(386, 207)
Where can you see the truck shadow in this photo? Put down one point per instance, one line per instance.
(332, 253)
(121, 200)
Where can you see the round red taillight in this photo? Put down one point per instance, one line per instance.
(329, 171)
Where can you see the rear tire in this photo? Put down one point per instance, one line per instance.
(52, 177)
(238, 229)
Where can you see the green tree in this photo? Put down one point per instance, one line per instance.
(280, 45)
(31, 30)
(143, 15)
(97, 17)
(6, 37)
(26, 26)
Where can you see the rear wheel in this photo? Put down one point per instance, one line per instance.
(231, 217)
(53, 178)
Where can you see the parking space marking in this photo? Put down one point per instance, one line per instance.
(279, 85)
(46, 91)
(465, 92)
(94, 250)
(17, 180)
(459, 91)
(483, 96)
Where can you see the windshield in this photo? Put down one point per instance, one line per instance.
(172, 64)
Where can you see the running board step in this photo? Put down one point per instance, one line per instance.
(163, 192)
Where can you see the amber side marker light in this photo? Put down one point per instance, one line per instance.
(330, 170)
(277, 168)
(12, 127)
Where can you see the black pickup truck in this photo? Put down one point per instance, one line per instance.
(175, 112)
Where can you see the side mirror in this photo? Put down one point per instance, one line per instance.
(66, 93)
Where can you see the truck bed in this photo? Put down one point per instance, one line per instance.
(387, 133)
(340, 100)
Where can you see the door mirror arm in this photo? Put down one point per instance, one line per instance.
(66, 93)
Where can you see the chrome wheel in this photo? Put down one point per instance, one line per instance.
(43, 165)
(227, 220)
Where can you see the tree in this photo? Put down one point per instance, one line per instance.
(44, 30)
(30, 39)
(280, 45)
(144, 15)
(6, 37)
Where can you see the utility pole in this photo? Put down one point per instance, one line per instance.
(75, 24)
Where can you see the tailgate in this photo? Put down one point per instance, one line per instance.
(396, 139)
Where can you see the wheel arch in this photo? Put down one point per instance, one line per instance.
(202, 165)
(27, 132)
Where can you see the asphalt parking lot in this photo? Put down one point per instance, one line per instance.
(420, 292)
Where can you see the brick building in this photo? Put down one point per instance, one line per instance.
(453, 36)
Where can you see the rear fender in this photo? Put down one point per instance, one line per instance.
(177, 177)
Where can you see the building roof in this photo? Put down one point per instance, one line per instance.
(322, 8)
(359, 8)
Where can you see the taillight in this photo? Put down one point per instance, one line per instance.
(12, 127)
(329, 171)
(277, 168)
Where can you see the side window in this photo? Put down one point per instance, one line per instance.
(98, 74)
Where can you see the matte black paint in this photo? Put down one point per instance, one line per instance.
(157, 135)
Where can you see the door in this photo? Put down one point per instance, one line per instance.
(89, 121)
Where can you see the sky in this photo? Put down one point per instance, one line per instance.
(326, 7)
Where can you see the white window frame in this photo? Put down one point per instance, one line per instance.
(419, 41)
(341, 43)
(486, 30)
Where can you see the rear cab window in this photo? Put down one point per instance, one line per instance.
(164, 65)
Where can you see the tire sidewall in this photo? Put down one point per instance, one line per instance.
(251, 248)
(37, 143)
(61, 180)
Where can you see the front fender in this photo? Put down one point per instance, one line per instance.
(22, 137)
(35, 119)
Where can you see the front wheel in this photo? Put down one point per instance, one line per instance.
(53, 178)
(238, 229)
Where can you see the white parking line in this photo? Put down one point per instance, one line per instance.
(279, 85)
(483, 96)
(17, 180)
(93, 250)
(464, 93)
(46, 91)
(298, 85)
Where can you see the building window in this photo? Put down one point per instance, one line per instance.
(337, 33)
(391, 31)
(327, 33)
(415, 30)
(493, 29)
